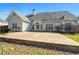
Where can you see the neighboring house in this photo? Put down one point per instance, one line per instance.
(3, 26)
(40, 21)
(17, 22)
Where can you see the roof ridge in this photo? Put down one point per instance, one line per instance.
(51, 12)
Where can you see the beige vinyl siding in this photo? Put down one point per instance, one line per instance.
(17, 20)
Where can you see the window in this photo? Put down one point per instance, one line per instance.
(68, 24)
(14, 25)
(37, 26)
(41, 26)
(51, 26)
(37, 23)
(46, 26)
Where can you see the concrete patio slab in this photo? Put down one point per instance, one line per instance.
(46, 37)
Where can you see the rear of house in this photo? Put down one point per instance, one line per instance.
(48, 21)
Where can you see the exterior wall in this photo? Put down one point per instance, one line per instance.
(55, 23)
(43, 23)
(34, 23)
(15, 19)
(25, 26)
(73, 22)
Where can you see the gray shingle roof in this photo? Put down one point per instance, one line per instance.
(65, 15)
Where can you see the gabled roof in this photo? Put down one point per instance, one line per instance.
(23, 18)
(53, 16)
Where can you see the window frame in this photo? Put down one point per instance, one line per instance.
(14, 25)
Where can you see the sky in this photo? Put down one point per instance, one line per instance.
(26, 8)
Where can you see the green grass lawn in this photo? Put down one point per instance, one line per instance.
(73, 36)
(2, 33)
(15, 49)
